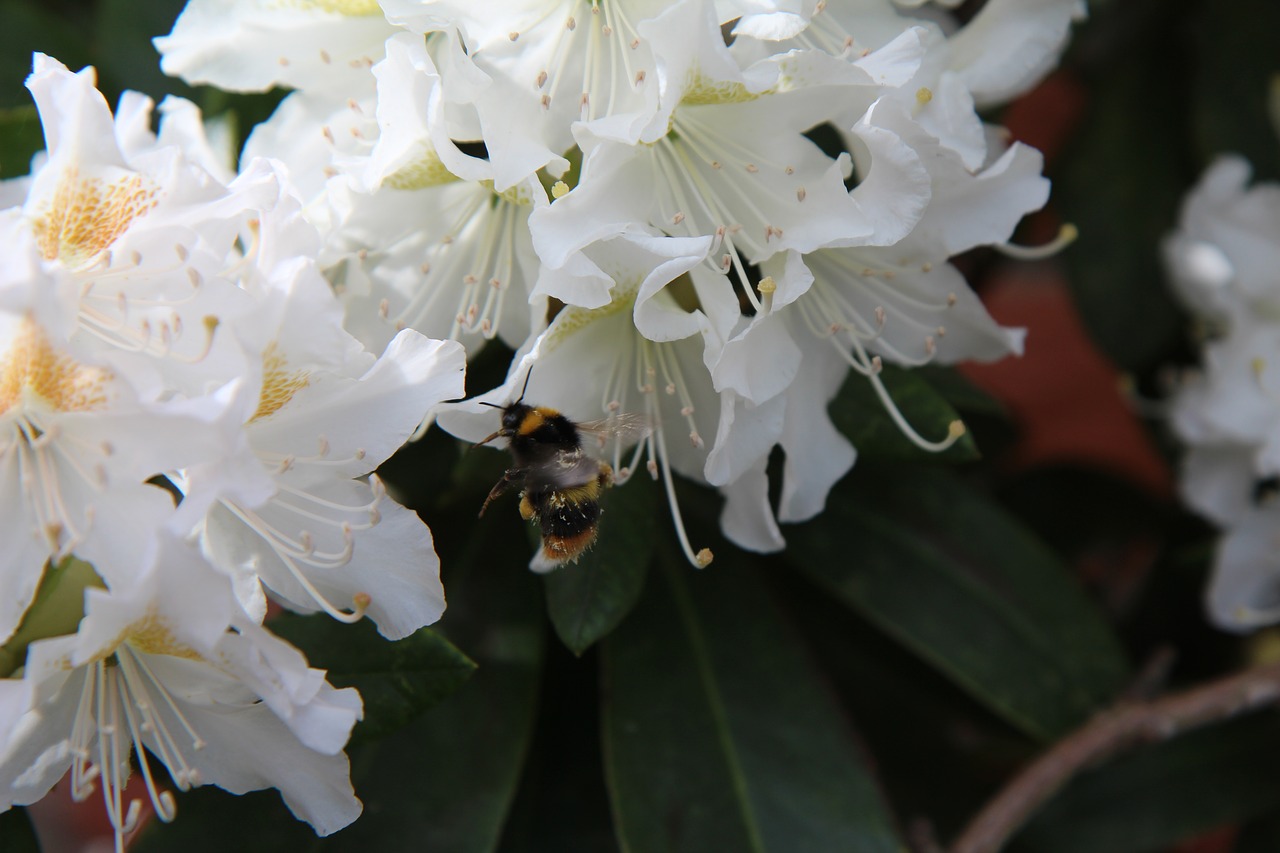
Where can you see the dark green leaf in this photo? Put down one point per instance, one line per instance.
(397, 681)
(124, 54)
(1260, 836)
(21, 136)
(949, 574)
(1152, 799)
(588, 599)
(1236, 59)
(17, 835)
(718, 732)
(959, 391)
(863, 418)
(30, 27)
(1122, 181)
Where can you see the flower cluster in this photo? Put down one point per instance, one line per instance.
(185, 429)
(1222, 262)
(629, 194)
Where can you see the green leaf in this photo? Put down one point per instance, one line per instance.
(21, 136)
(123, 52)
(1260, 836)
(718, 732)
(1150, 800)
(30, 27)
(17, 834)
(1235, 63)
(588, 599)
(953, 387)
(397, 680)
(950, 575)
(1125, 175)
(859, 413)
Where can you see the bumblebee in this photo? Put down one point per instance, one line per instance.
(560, 485)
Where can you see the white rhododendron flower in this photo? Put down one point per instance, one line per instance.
(1222, 262)
(183, 414)
(629, 196)
(174, 665)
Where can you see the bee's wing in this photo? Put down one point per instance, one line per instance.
(627, 428)
(568, 470)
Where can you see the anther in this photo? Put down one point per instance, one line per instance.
(325, 57)
(546, 102)
(923, 95)
(606, 31)
(677, 219)
(767, 285)
(704, 558)
(951, 300)
(800, 194)
(640, 75)
(513, 36)
(653, 468)
(880, 316)
(571, 24)
(752, 168)
(384, 309)
(542, 79)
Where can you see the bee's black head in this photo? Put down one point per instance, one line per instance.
(512, 416)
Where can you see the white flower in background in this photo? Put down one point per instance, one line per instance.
(1005, 49)
(594, 364)
(1223, 257)
(288, 511)
(77, 441)
(253, 45)
(1222, 262)
(718, 274)
(139, 230)
(173, 666)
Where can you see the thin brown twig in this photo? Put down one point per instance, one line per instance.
(1107, 734)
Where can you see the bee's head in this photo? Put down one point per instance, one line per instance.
(512, 416)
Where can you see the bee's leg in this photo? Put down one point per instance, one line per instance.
(512, 476)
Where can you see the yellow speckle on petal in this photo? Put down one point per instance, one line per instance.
(350, 8)
(426, 171)
(151, 635)
(279, 384)
(86, 215)
(31, 368)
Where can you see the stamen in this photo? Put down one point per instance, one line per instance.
(1066, 236)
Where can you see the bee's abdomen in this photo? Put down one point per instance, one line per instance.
(568, 518)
